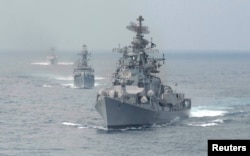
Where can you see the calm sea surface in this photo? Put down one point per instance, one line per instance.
(42, 113)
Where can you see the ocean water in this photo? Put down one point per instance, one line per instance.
(42, 113)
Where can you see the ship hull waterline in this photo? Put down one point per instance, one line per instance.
(86, 82)
(118, 115)
(52, 61)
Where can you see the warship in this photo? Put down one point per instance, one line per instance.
(83, 72)
(137, 97)
(52, 59)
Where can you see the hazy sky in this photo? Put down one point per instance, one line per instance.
(221, 25)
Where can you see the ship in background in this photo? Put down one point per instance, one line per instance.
(52, 58)
(137, 96)
(83, 73)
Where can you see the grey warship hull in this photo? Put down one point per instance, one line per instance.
(117, 114)
(84, 81)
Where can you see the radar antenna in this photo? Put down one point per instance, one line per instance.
(138, 28)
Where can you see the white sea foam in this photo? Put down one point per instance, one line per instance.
(84, 127)
(99, 78)
(69, 85)
(99, 127)
(218, 121)
(70, 124)
(47, 86)
(41, 63)
(66, 78)
(197, 112)
(93, 127)
(47, 63)
(65, 63)
(203, 124)
(210, 123)
(99, 84)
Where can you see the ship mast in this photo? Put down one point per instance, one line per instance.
(139, 32)
(84, 56)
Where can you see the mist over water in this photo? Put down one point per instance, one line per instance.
(42, 113)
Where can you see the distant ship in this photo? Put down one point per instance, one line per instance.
(83, 73)
(52, 59)
(137, 96)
